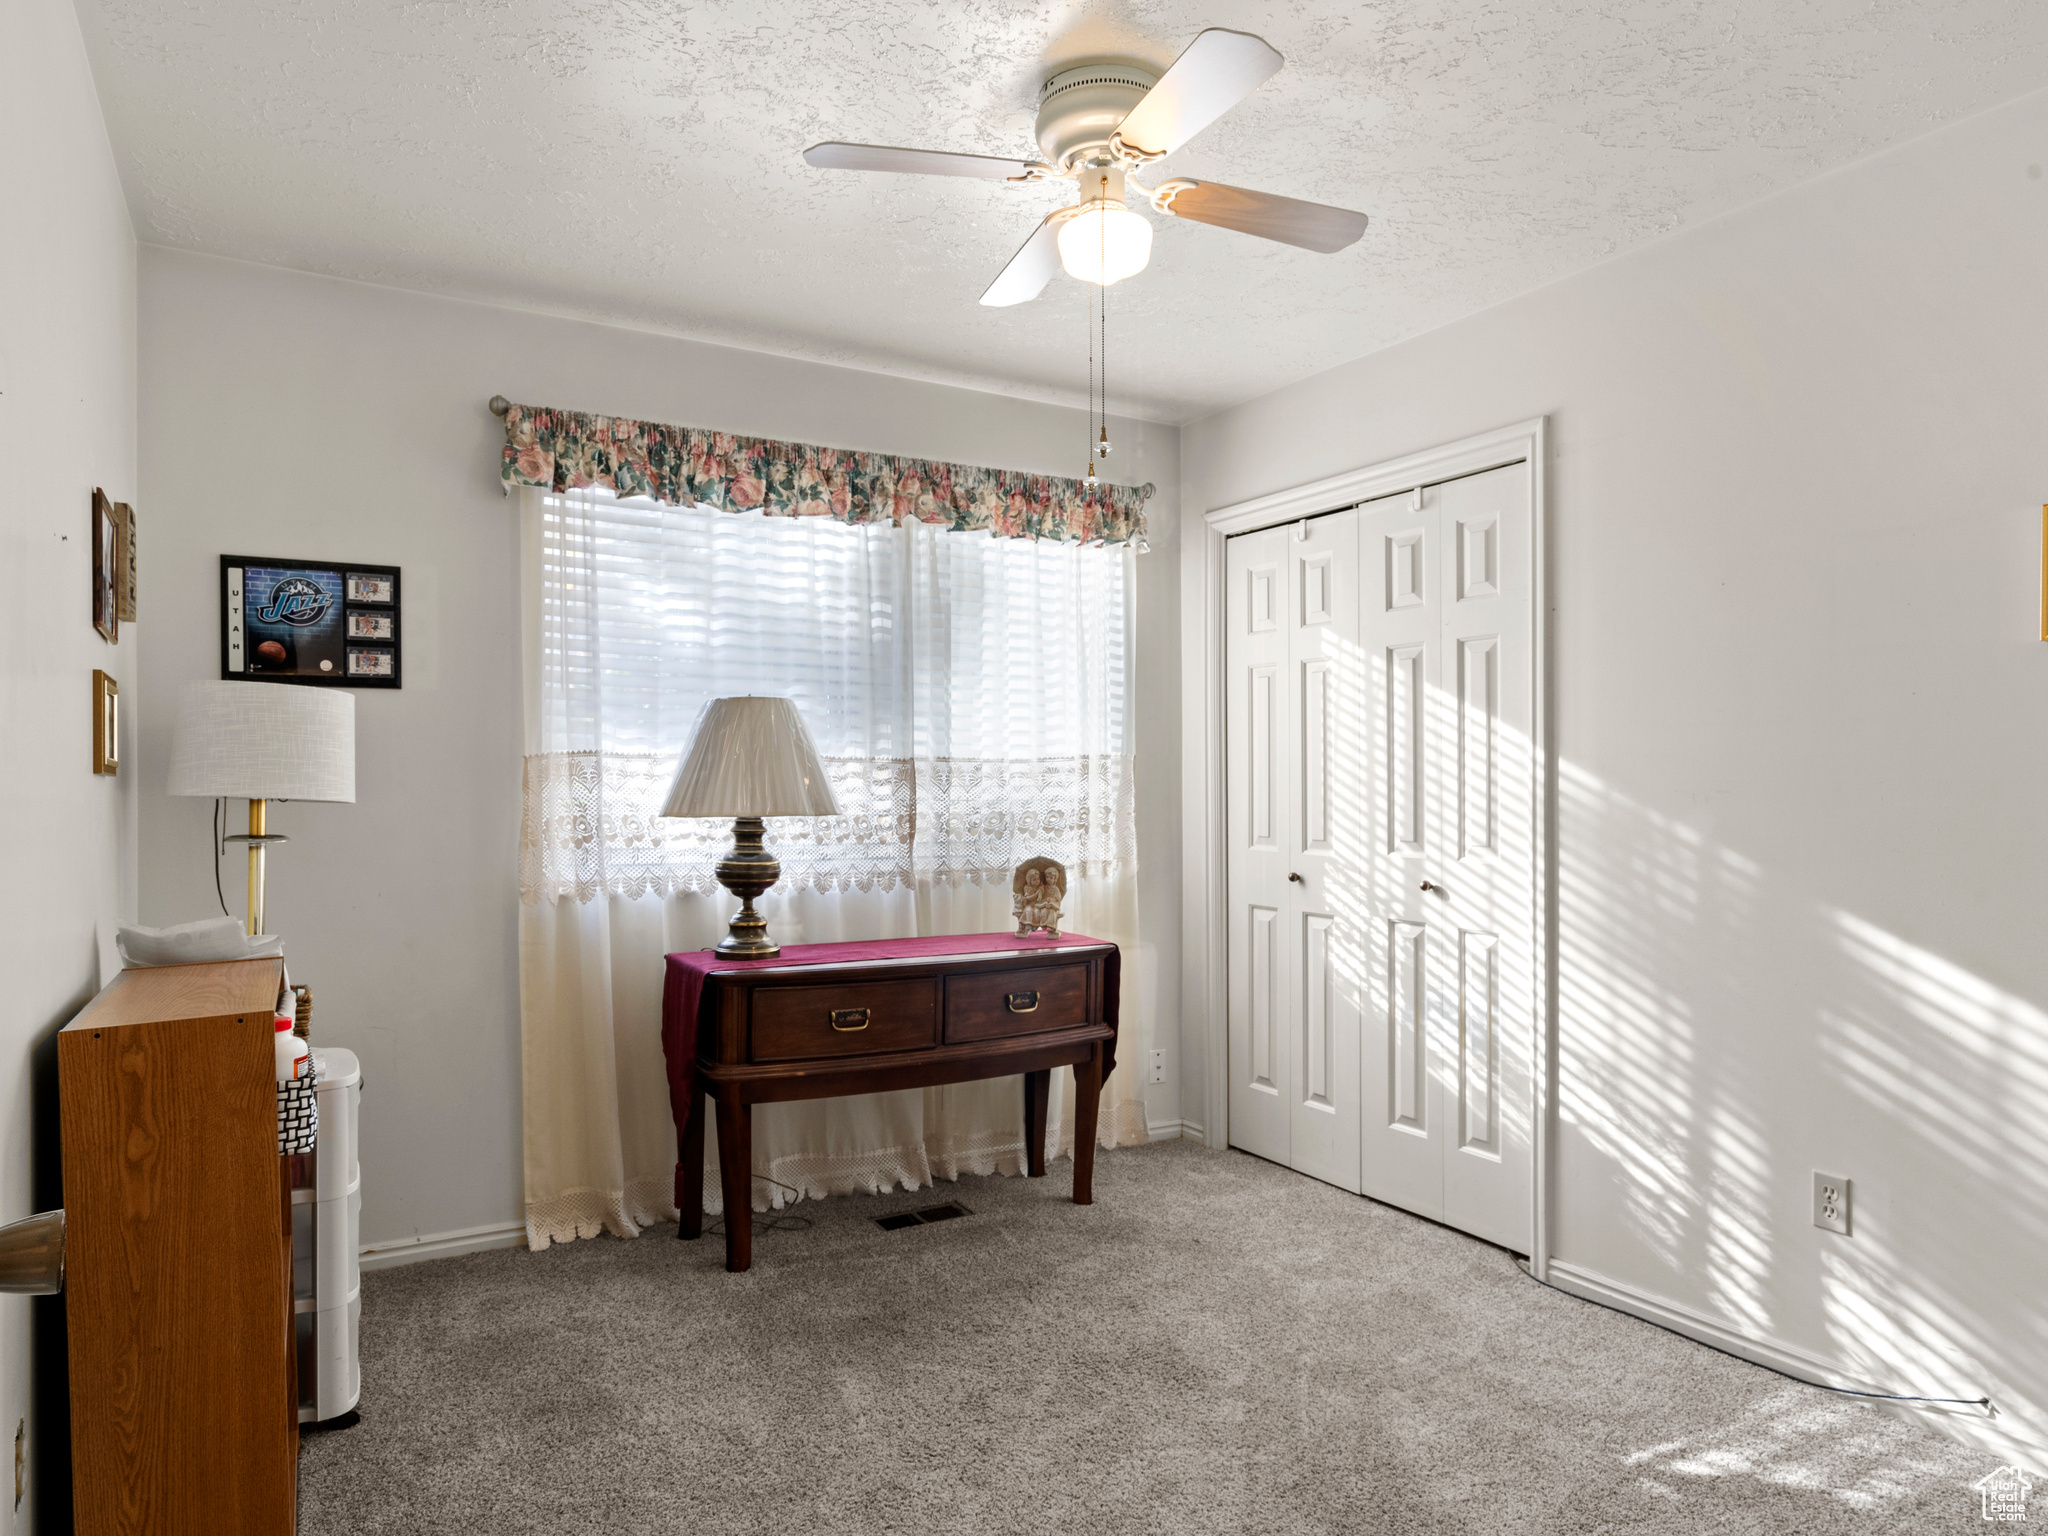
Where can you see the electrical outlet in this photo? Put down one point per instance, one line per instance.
(1157, 1066)
(1831, 1203)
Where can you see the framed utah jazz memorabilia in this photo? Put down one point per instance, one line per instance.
(309, 621)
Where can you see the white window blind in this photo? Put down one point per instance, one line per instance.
(970, 695)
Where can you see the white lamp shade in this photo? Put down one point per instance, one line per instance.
(264, 741)
(1106, 244)
(750, 757)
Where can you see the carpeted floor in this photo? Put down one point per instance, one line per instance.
(1217, 1345)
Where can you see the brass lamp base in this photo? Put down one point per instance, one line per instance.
(259, 842)
(747, 870)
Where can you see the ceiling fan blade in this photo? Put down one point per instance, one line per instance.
(1312, 226)
(1033, 265)
(918, 162)
(1213, 74)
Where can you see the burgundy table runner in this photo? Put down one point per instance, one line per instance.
(683, 989)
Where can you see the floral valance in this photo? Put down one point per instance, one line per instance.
(570, 450)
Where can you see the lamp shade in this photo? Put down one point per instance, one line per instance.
(1106, 244)
(750, 757)
(264, 741)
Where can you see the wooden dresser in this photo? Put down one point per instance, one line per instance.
(829, 1019)
(178, 1256)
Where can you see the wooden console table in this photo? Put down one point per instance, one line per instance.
(829, 1019)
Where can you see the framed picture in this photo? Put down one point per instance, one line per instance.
(321, 622)
(106, 555)
(124, 562)
(106, 723)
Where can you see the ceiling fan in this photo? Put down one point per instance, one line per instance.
(1097, 122)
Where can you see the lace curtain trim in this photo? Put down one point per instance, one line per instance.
(685, 466)
(577, 1213)
(589, 826)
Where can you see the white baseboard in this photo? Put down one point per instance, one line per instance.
(1775, 1354)
(1962, 1421)
(444, 1245)
(1172, 1130)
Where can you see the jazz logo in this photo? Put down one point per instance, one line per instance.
(296, 600)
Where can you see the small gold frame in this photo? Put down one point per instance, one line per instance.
(106, 723)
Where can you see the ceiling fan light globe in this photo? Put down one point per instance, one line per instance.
(1105, 245)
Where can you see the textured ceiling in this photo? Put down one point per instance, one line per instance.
(637, 160)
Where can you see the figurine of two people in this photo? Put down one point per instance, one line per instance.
(1036, 891)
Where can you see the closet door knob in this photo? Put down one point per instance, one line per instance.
(1295, 878)
(1428, 887)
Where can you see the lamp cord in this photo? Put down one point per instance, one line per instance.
(219, 810)
(1888, 1397)
(775, 1222)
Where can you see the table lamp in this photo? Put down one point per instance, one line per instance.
(749, 758)
(263, 742)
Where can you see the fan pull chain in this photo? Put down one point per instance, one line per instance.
(1102, 258)
(1098, 335)
(1102, 447)
(1089, 320)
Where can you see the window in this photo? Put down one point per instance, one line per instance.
(970, 695)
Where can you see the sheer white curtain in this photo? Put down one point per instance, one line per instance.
(970, 696)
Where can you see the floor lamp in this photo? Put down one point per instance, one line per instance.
(261, 742)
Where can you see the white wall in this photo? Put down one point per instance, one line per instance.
(291, 415)
(1799, 458)
(67, 424)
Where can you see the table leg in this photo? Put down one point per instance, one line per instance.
(1037, 1085)
(736, 1178)
(690, 1171)
(1087, 1095)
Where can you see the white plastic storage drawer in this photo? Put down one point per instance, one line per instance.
(335, 1164)
(337, 1382)
(327, 1247)
(337, 1228)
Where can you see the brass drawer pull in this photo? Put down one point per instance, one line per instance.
(846, 1020)
(1021, 1002)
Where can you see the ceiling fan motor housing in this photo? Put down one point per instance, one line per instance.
(1081, 106)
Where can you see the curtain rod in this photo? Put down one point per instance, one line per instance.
(500, 405)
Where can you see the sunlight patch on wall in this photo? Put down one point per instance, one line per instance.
(1640, 896)
(1959, 1066)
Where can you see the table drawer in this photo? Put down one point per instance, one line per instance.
(866, 1018)
(992, 1004)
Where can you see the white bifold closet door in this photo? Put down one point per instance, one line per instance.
(1299, 869)
(1383, 906)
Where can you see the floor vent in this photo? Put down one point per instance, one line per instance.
(903, 1219)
